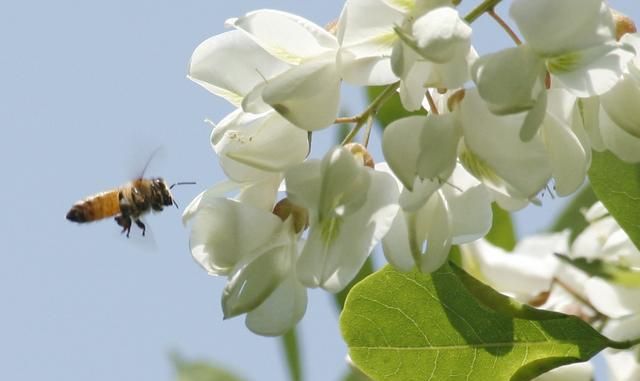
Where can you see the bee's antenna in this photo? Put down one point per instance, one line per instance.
(182, 183)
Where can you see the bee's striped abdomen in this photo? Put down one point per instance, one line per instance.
(97, 207)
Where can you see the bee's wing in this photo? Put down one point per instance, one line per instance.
(157, 153)
(139, 161)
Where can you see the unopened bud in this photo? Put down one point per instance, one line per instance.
(361, 153)
(285, 209)
(624, 24)
(454, 100)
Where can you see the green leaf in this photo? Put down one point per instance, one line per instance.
(292, 353)
(392, 109)
(415, 326)
(617, 185)
(621, 275)
(200, 371)
(502, 233)
(572, 217)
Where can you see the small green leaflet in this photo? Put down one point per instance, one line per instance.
(617, 185)
(200, 371)
(414, 326)
(392, 109)
(621, 275)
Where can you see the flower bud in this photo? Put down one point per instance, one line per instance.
(624, 24)
(360, 152)
(285, 208)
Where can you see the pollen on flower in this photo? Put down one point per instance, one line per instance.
(238, 137)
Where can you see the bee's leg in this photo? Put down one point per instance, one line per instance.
(140, 225)
(125, 222)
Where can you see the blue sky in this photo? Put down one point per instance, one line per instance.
(87, 90)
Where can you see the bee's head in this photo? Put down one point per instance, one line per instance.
(164, 191)
(161, 188)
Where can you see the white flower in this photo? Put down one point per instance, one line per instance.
(612, 120)
(524, 273)
(440, 215)
(257, 251)
(424, 43)
(604, 239)
(574, 41)
(493, 151)
(350, 208)
(307, 94)
(622, 365)
(249, 144)
(434, 51)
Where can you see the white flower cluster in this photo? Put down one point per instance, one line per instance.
(533, 274)
(535, 113)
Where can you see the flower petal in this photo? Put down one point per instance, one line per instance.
(509, 80)
(620, 142)
(592, 71)
(521, 276)
(496, 142)
(223, 231)
(253, 282)
(612, 300)
(469, 206)
(401, 147)
(216, 191)
(626, 328)
(230, 65)
(439, 143)
(307, 95)
(441, 35)
(544, 24)
(281, 311)
(434, 225)
(288, 37)
(250, 145)
(338, 246)
(569, 159)
(365, 32)
(621, 105)
(622, 365)
(395, 244)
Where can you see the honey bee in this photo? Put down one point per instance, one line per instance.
(127, 203)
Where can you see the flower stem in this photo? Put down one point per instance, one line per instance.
(485, 6)
(432, 104)
(292, 353)
(504, 26)
(370, 111)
